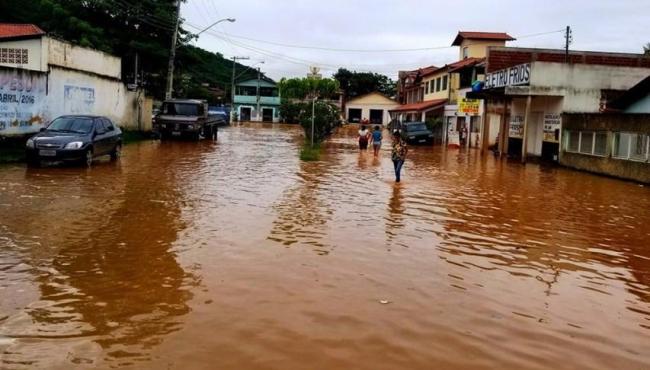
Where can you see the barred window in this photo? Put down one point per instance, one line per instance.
(587, 142)
(14, 56)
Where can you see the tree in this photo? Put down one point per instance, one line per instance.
(300, 103)
(355, 83)
(646, 49)
(124, 28)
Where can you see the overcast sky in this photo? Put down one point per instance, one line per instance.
(603, 25)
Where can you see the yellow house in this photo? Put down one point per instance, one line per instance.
(475, 44)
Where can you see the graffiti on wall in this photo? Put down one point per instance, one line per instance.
(23, 96)
(78, 99)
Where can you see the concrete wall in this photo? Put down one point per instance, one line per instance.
(73, 92)
(29, 100)
(607, 165)
(64, 54)
(35, 55)
(581, 84)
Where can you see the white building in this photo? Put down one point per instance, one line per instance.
(42, 78)
(373, 106)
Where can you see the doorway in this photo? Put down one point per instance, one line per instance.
(245, 113)
(354, 115)
(377, 116)
(267, 114)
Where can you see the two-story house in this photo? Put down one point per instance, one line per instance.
(257, 100)
(437, 95)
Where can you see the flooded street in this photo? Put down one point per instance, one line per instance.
(237, 255)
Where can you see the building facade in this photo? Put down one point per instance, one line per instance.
(528, 91)
(374, 107)
(257, 100)
(42, 78)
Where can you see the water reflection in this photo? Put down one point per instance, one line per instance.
(110, 285)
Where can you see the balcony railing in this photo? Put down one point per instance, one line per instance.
(252, 99)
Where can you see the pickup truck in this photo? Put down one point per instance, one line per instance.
(188, 118)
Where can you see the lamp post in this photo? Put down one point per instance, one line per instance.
(172, 53)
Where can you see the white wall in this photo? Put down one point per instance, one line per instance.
(365, 110)
(72, 92)
(70, 56)
(581, 84)
(35, 58)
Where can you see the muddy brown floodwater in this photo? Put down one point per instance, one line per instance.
(236, 255)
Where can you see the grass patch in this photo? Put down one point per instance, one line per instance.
(309, 153)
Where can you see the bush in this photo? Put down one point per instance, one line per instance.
(325, 120)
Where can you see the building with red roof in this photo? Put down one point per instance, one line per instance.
(14, 31)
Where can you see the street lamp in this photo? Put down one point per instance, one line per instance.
(231, 20)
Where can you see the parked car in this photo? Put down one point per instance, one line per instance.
(416, 133)
(186, 118)
(220, 113)
(75, 138)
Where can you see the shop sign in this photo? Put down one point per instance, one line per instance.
(552, 124)
(513, 76)
(469, 107)
(516, 127)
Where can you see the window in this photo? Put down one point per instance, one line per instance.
(574, 141)
(14, 56)
(600, 145)
(426, 87)
(444, 82)
(587, 142)
(438, 82)
(465, 52)
(632, 146)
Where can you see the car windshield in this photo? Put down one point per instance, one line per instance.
(416, 127)
(182, 109)
(80, 125)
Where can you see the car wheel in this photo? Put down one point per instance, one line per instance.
(117, 152)
(88, 158)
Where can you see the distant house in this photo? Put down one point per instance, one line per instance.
(373, 107)
(257, 100)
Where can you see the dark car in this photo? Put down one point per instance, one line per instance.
(416, 133)
(75, 138)
(219, 112)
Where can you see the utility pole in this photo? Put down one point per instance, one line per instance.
(172, 54)
(568, 39)
(258, 95)
(232, 87)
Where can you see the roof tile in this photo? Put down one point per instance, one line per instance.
(11, 30)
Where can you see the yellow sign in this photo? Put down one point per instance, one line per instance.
(468, 106)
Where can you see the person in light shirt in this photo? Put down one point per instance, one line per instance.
(364, 136)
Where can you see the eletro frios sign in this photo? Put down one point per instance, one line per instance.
(513, 76)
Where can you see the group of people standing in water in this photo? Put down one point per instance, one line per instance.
(374, 138)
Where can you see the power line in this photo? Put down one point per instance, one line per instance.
(361, 50)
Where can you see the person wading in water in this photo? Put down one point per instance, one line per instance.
(398, 154)
(363, 138)
(376, 140)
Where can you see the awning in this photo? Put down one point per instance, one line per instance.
(420, 106)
